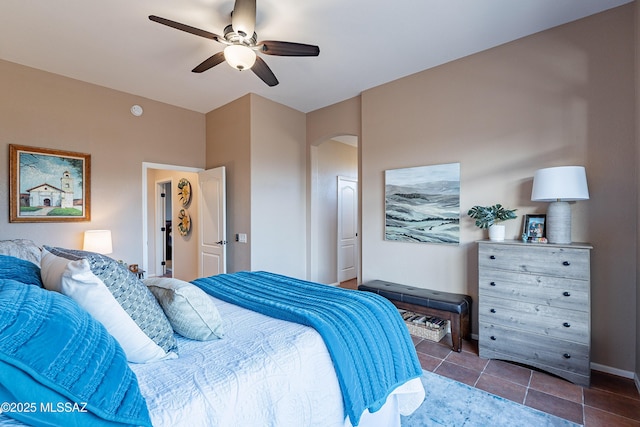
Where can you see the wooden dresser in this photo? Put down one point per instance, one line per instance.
(534, 306)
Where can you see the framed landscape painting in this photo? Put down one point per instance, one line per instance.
(47, 185)
(422, 204)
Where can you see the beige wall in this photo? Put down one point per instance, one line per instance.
(338, 119)
(278, 191)
(40, 109)
(561, 97)
(229, 145)
(262, 145)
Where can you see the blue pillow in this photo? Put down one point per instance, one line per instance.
(60, 365)
(19, 270)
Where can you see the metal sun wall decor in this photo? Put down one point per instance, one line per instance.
(422, 204)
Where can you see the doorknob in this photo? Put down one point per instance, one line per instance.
(221, 242)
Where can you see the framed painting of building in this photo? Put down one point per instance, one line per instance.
(47, 185)
(422, 204)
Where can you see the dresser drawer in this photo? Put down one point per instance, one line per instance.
(548, 260)
(538, 289)
(538, 319)
(536, 350)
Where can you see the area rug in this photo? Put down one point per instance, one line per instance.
(451, 403)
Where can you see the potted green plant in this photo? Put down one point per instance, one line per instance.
(489, 216)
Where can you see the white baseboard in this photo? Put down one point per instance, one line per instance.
(637, 380)
(614, 371)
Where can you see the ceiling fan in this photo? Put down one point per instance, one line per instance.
(242, 43)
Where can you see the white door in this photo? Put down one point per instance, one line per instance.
(212, 229)
(347, 228)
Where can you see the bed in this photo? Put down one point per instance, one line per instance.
(278, 352)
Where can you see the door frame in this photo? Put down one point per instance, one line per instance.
(145, 200)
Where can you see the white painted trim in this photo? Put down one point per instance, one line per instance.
(613, 371)
(637, 381)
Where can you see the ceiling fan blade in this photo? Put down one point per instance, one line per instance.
(186, 28)
(243, 18)
(262, 70)
(210, 62)
(271, 47)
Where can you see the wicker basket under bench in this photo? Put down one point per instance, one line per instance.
(428, 327)
(456, 308)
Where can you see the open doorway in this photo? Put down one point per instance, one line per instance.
(330, 160)
(163, 230)
(183, 248)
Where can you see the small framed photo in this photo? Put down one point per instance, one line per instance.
(533, 229)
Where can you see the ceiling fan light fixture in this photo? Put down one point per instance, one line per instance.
(239, 57)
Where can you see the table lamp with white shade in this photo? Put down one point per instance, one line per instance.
(98, 241)
(559, 185)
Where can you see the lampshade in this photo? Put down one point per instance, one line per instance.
(239, 57)
(559, 186)
(98, 241)
(564, 183)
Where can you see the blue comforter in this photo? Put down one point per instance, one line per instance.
(369, 344)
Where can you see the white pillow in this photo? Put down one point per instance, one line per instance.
(189, 309)
(75, 279)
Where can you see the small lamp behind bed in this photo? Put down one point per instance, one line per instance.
(98, 241)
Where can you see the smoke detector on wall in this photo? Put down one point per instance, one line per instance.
(136, 110)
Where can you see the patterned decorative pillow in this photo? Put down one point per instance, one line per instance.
(115, 297)
(189, 309)
(19, 270)
(53, 354)
(21, 248)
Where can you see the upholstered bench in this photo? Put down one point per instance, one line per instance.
(456, 308)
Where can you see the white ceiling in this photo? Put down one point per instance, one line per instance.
(363, 43)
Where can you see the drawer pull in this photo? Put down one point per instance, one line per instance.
(566, 356)
(566, 294)
(492, 338)
(566, 263)
(566, 324)
(493, 310)
(492, 283)
(492, 257)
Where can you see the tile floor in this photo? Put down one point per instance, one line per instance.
(610, 401)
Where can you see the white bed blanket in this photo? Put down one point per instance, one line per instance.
(265, 372)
